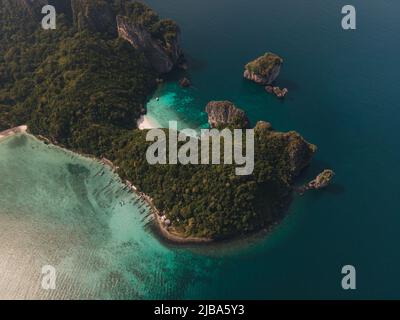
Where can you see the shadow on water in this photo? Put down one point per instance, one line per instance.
(310, 172)
(18, 141)
(259, 88)
(335, 189)
(289, 84)
(78, 170)
(176, 75)
(195, 64)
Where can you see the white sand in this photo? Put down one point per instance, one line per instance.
(11, 132)
(145, 122)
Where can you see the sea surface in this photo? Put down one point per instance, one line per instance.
(343, 97)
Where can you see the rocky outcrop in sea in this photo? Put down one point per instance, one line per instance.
(277, 91)
(323, 180)
(265, 69)
(225, 113)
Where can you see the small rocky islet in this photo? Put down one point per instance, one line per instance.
(224, 114)
(322, 181)
(265, 70)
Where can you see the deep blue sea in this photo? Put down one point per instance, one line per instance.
(343, 97)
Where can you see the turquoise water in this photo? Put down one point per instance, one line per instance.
(342, 97)
(172, 103)
(59, 209)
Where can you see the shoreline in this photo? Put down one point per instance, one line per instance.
(13, 131)
(158, 224)
(160, 230)
(176, 239)
(145, 123)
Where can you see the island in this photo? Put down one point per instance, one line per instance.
(84, 85)
(265, 69)
(225, 113)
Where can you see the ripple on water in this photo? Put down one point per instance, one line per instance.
(55, 209)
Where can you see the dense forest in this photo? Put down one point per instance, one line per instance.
(84, 88)
(77, 87)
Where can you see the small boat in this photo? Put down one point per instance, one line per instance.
(157, 99)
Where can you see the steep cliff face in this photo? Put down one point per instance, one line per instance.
(296, 152)
(163, 57)
(225, 113)
(300, 152)
(94, 15)
(158, 39)
(265, 69)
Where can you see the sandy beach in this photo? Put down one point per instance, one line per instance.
(145, 122)
(175, 238)
(11, 132)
